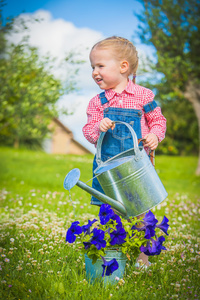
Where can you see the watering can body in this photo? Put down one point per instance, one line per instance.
(129, 180)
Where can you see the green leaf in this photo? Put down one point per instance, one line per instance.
(61, 288)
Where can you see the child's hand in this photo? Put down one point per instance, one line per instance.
(151, 141)
(106, 124)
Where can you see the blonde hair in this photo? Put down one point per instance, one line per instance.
(123, 49)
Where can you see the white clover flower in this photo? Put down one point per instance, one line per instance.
(121, 281)
(19, 268)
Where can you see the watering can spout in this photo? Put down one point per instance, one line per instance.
(72, 179)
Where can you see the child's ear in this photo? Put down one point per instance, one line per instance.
(124, 66)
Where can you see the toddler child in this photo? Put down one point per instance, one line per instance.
(113, 61)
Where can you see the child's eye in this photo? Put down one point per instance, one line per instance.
(101, 66)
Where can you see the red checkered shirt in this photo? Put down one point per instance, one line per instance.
(133, 97)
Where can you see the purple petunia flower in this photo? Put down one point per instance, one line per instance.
(164, 225)
(72, 231)
(159, 245)
(98, 238)
(87, 245)
(149, 232)
(109, 266)
(146, 250)
(156, 247)
(149, 222)
(116, 218)
(105, 213)
(86, 228)
(117, 236)
(149, 219)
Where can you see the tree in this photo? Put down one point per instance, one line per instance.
(29, 90)
(28, 95)
(172, 27)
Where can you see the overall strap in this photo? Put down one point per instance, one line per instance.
(150, 106)
(103, 98)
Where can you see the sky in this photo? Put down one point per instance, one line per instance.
(76, 24)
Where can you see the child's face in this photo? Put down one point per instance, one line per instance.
(106, 69)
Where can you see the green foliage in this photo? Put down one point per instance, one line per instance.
(182, 129)
(5, 27)
(28, 95)
(172, 27)
(134, 239)
(94, 254)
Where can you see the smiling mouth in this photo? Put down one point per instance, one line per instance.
(98, 80)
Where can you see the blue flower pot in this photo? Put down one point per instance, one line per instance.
(94, 271)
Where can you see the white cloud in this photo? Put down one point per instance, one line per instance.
(58, 37)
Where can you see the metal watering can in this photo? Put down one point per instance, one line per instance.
(129, 180)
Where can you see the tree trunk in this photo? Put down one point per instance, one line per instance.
(192, 94)
(16, 143)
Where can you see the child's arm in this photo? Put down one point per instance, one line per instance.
(96, 123)
(157, 128)
(156, 123)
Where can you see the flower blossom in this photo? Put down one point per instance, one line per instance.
(105, 213)
(109, 266)
(72, 231)
(87, 245)
(86, 228)
(149, 219)
(149, 222)
(164, 225)
(118, 236)
(98, 238)
(117, 219)
(156, 247)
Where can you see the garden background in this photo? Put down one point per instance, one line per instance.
(36, 211)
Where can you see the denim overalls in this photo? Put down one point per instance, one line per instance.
(120, 139)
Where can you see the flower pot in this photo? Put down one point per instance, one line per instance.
(94, 271)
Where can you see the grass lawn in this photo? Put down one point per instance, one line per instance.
(36, 262)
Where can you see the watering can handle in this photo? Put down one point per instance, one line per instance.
(100, 140)
(151, 153)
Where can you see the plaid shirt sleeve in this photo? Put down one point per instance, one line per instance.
(94, 116)
(155, 121)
